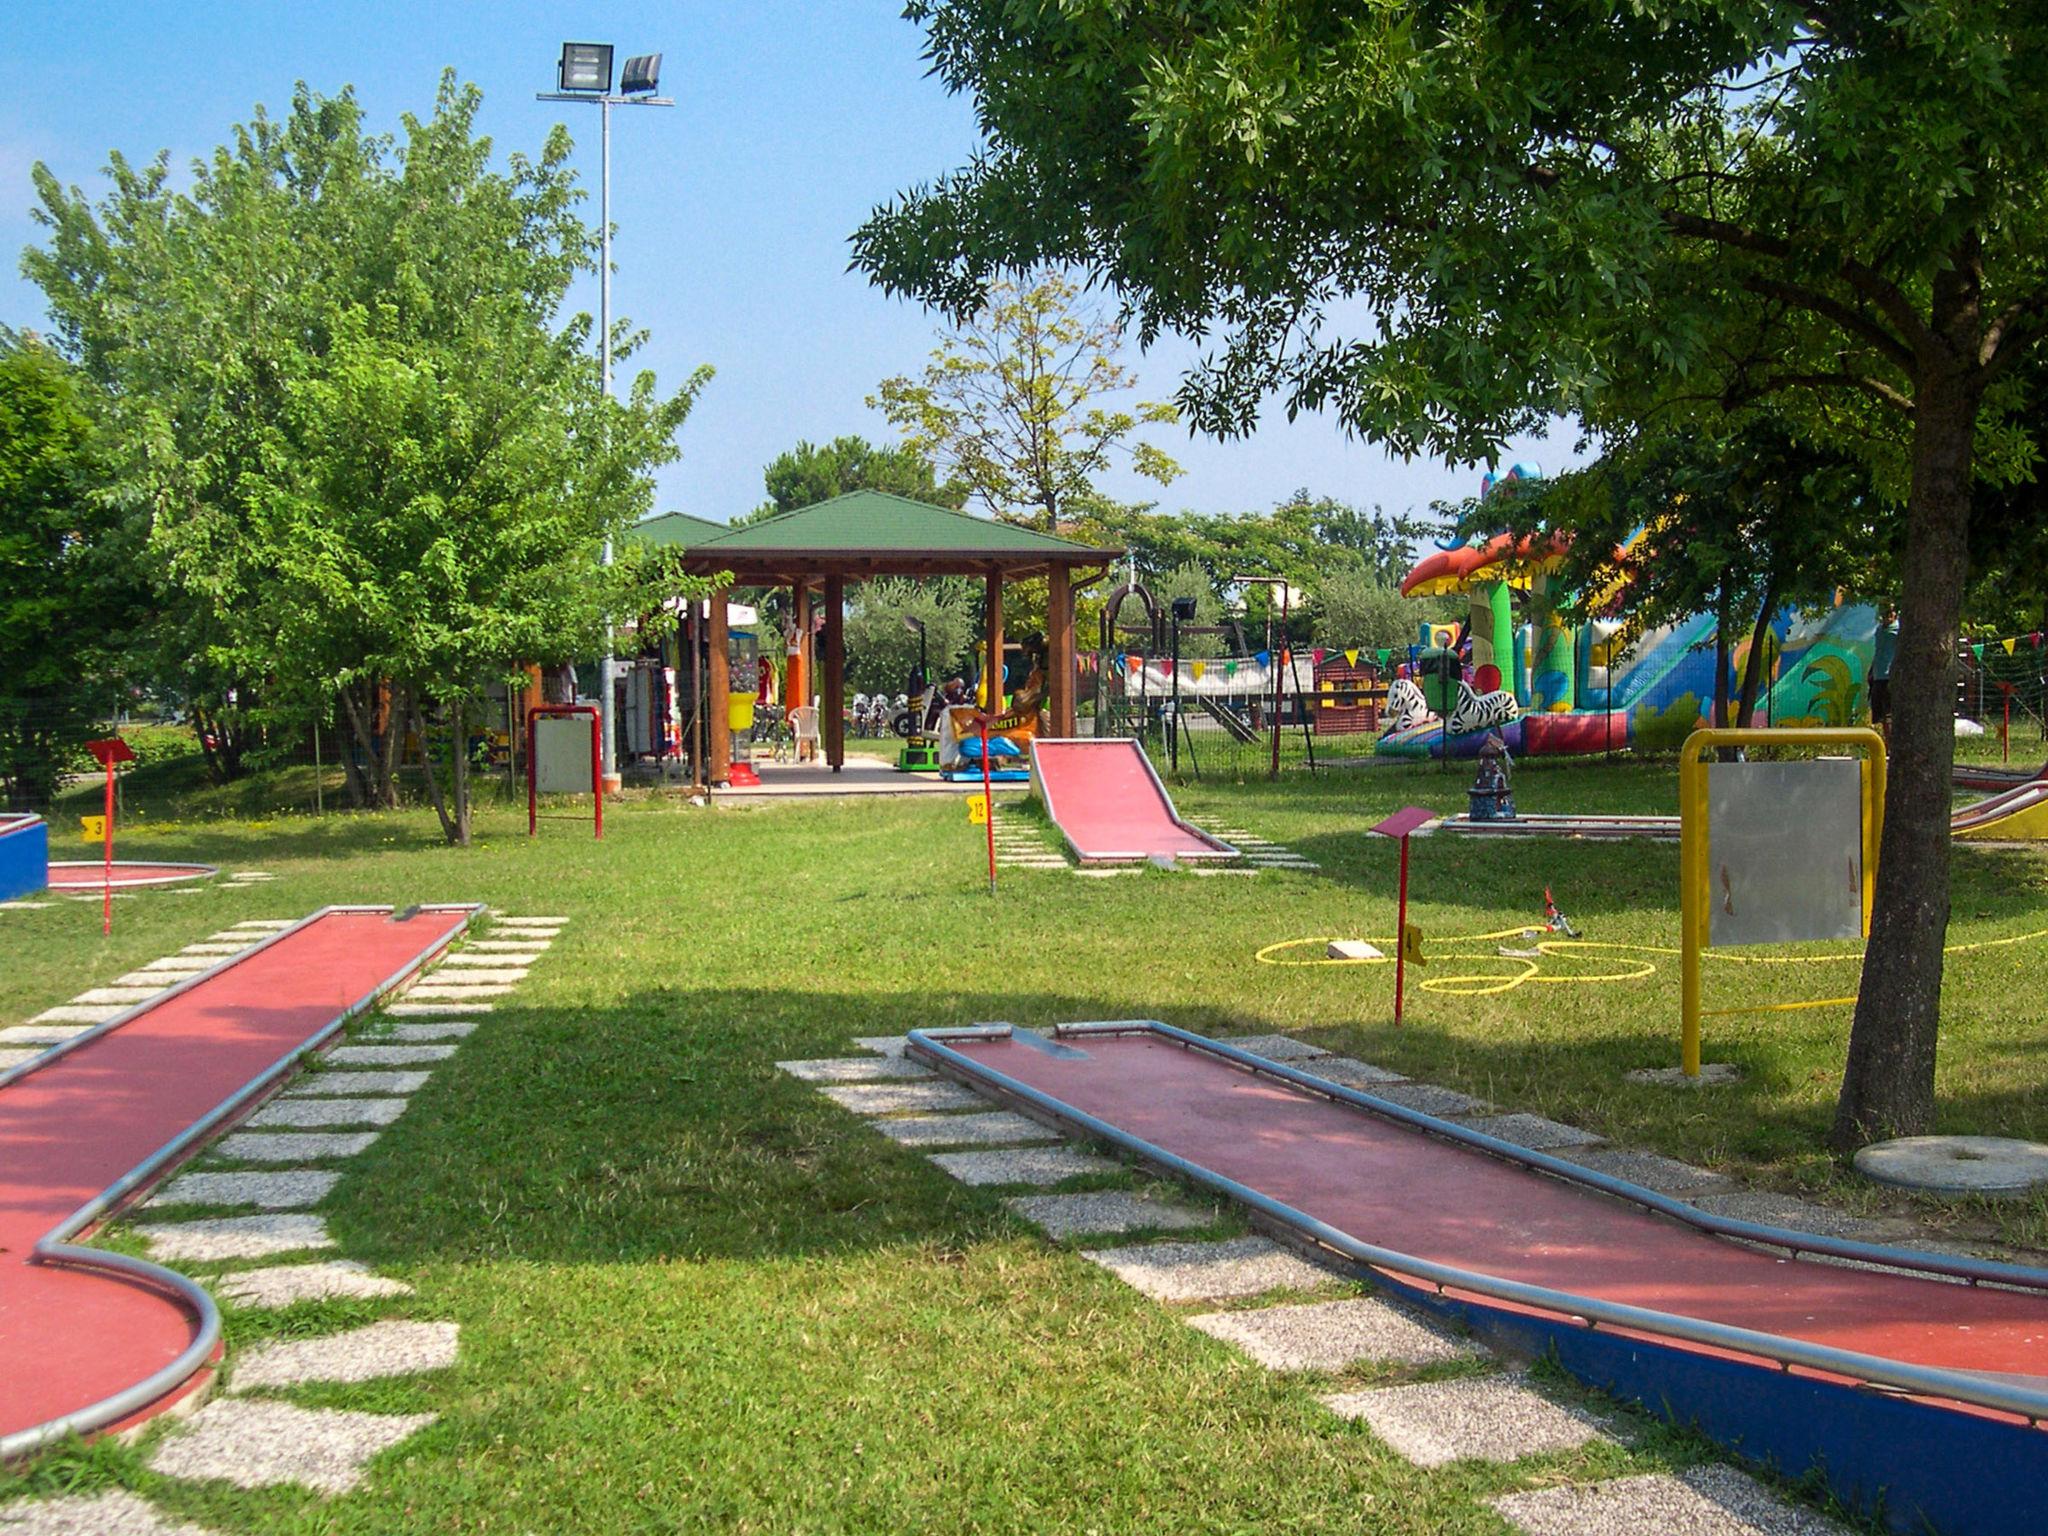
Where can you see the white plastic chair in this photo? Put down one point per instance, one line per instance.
(803, 727)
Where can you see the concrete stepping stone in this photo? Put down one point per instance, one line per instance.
(1710, 1500)
(316, 1114)
(271, 924)
(14, 1058)
(506, 947)
(116, 1512)
(41, 1034)
(1349, 1072)
(543, 934)
(1775, 1210)
(895, 1098)
(476, 978)
(314, 1084)
(389, 1348)
(1652, 1170)
(885, 1045)
(1428, 1099)
(444, 1029)
(79, 1013)
(852, 1069)
(1238, 1266)
(288, 1147)
(182, 964)
(1022, 1165)
(387, 1055)
(1535, 1132)
(513, 965)
(1333, 1335)
(284, 1285)
(235, 936)
(235, 1237)
(254, 1443)
(430, 1010)
(127, 997)
(503, 921)
(1950, 1165)
(213, 949)
(998, 1128)
(456, 991)
(282, 1191)
(1476, 1418)
(1278, 1048)
(156, 981)
(1104, 1211)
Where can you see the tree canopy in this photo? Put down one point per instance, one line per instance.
(813, 472)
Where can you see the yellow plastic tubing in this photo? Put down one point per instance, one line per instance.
(1694, 837)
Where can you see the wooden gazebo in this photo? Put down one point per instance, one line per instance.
(816, 550)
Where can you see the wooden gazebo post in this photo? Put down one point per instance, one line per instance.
(1059, 645)
(832, 697)
(992, 672)
(716, 688)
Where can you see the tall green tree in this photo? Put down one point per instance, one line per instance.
(882, 650)
(1666, 205)
(1013, 405)
(813, 472)
(72, 589)
(339, 372)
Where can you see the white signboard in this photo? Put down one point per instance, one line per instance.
(561, 755)
(1784, 851)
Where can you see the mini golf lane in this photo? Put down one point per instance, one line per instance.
(91, 874)
(80, 1120)
(1108, 802)
(1389, 1184)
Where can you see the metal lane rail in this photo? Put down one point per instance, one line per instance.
(55, 1247)
(1587, 1311)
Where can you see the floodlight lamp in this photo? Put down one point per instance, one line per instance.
(1184, 609)
(642, 75)
(585, 67)
(913, 623)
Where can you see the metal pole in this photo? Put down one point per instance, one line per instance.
(608, 666)
(1173, 737)
(319, 809)
(1401, 934)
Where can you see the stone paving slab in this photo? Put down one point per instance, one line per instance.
(542, 935)
(78, 1013)
(14, 1058)
(1710, 1500)
(1776, 1210)
(262, 1147)
(853, 1069)
(315, 1114)
(222, 950)
(1333, 1335)
(886, 1045)
(503, 921)
(507, 946)
(314, 1084)
(127, 997)
(387, 1055)
(478, 978)
(1349, 1072)
(185, 964)
(389, 1348)
(433, 1010)
(894, 1098)
(1238, 1266)
(271, 924)
(283, 1285)
(41, 1034)
(156, 981)
(995, 1129)
(445, 1029)
(254, 1443)
(1277, 1048)
(514, 966)
(454, 990)
(113, 1513)
(285, 1190)
(1652, 1170)
(1535, 1132)
(1022, 1165)
(1475, 1418)
(236, 1237)
(1104, 1211)
(1428, 1099)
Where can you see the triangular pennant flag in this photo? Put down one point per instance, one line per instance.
(1351, 657)
(2009, 645)
(1319, 653)
(2035, 637)
(1197, 668)
(1132, 663)
(1262, 657)
(1977, 651)
(1230, 669)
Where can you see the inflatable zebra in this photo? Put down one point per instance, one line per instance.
(1406, 707)
(1482, 711)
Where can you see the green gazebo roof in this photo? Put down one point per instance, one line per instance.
(875, 533)
(666, 528)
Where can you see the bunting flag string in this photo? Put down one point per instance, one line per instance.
(2009, 645)
(1230, 669)
(1197, 668)
(1318, 655)
(1262, 657)
(1351, 656)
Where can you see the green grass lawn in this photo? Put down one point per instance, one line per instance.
(697, 1295)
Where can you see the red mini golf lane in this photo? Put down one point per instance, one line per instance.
(91, 874)
(1432, 1199)
(69, 1337)
(1105, 798)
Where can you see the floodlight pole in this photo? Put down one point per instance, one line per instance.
(608, 665)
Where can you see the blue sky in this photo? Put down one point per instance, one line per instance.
(794, 118)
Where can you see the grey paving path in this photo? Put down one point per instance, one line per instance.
(283, 1285)
(1534, 1132)
(235, 1237)
(316, 1084)
(1105, 1211)
(313, 1113)
(853, 1069)
(1333, 1335)
(286, 1189)
(1474, 1418)
(895, 1098)
(1022, 1165)
(1238, 1266)
(998, 1128)
(1703, 1501)
(113, 1513)
(389, 1348)
(1278, 1048)
(256, 1443)
(285, 1147)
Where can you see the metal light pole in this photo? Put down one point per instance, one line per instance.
(584, 74)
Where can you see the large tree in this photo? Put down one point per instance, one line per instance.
(1676, 204)
(72, 593)
(813, 472)
(1016, 404)
(338, 371)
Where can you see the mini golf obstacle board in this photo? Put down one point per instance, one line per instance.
(1915, 1396)
(24, 856)
(93, 1339)
(1109, 804)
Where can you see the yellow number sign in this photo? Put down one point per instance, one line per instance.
(92, 829)
(977, 811)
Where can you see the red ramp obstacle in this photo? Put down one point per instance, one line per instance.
(1916, 1391)
(1106, 799)
(90, 1339)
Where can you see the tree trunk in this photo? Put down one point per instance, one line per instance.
(419, 726)
(459, 773)
(1753, 664)
(1888, 1088)
(379, 750)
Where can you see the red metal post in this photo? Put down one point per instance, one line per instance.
(988, 807)
(107, 887)
(1401, 935)
(597, 769)
(532, 776)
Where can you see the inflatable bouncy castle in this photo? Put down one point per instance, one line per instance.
(1553, 688)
